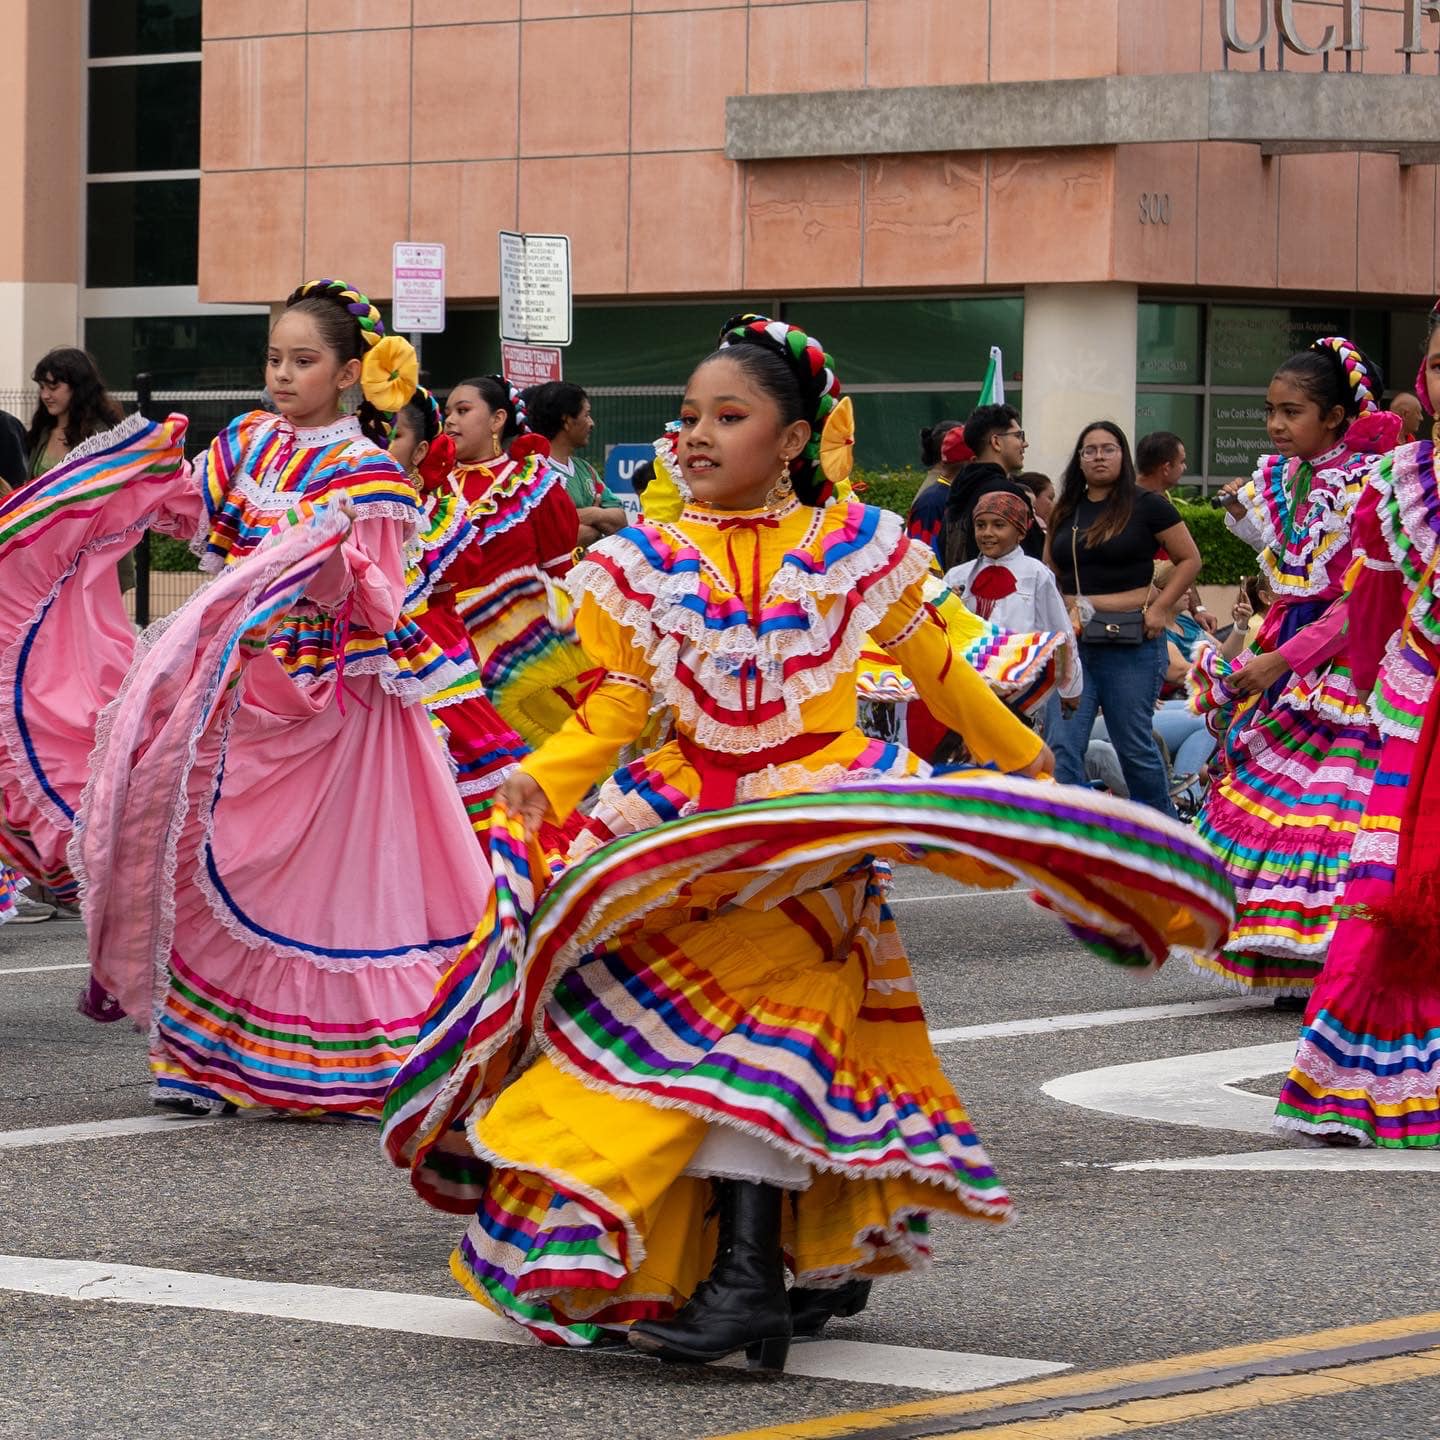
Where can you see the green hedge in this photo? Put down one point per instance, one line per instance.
(889, 489)
(167, 554)
(1226, 560)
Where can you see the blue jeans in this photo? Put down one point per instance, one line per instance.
(1123, 683)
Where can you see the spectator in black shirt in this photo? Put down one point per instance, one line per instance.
(1107, 528)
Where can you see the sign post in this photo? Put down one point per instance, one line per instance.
(418, 290)
(535, 293)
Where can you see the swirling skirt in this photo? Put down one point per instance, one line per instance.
(739, 972)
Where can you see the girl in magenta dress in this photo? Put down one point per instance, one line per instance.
(275, 862)
(1298, 753)
(1367, 1068)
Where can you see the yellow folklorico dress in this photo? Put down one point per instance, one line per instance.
(714, 986)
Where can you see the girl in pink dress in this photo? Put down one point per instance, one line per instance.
(275, 862)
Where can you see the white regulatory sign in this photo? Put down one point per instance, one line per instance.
(419, 291)
(535, 288)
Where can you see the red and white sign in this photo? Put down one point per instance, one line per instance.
(419, 289)
(529, 364)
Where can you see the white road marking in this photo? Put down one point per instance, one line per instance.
(101, 1130)
(42, 969)
(1085, 1020)
(1183, 1089)
(1198, 1090)
(1306, 1158)
(914, 1368)
(91, 1282)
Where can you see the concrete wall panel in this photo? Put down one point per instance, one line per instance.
(802, 225)
(924, 220)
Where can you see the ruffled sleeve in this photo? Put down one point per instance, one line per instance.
(1248, 527)
(611, 715)
(916, 636)
(369, 571)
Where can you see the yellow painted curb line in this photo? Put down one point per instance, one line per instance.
(893, 1419)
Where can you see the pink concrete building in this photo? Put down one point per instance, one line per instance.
(1147, 203)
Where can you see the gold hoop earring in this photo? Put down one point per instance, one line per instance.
(782, 489)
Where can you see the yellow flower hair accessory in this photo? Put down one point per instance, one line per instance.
(390, 373)
(837, 443)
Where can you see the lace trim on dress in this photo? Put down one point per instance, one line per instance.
(1419, 1083)
(213, 562)
(1297, 563)
(118, 434)
(737, 670)
(508, 493)
(449, 520)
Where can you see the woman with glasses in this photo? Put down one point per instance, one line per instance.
(1104, 532)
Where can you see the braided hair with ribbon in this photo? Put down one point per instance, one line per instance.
(351, 326)
(794, 370)
(515, 437)
(422, 418)
(1335, 372)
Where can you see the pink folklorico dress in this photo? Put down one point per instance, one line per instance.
(65, 641)
(274, 860)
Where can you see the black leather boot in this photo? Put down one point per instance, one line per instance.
(742, 1304)
(811, 1310)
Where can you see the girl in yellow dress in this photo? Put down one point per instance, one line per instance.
(711, 1001)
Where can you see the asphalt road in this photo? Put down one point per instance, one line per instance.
(1104, 1267)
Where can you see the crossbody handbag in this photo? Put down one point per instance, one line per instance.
(1109, 627)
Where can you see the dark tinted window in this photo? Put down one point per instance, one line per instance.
(144, 117)
(143, 233)
(182, 352)
(144, 27)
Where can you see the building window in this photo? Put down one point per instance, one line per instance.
(142, 232)
(144, 117)
(1202, 370)
(181, 352)
(906, 342)
(144, 27)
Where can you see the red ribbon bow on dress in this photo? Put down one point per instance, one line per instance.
(749, 670)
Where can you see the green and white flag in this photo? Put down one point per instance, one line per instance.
(992, 390)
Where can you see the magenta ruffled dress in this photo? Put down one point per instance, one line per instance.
(274, 860)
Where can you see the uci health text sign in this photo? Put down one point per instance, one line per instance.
(1278, 20)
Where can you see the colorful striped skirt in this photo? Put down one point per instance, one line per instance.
(1282, 819)
(740, 971)
(1368, 1062)
(530, 661)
